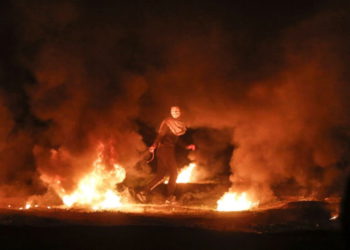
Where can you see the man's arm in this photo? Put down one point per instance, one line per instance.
(161, 133)
(186, 141)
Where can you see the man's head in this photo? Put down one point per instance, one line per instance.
(175, 112)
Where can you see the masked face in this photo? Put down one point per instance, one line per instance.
(175, 112)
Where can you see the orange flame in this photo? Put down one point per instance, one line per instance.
(232, 201)
(185, 175)
(96, 189)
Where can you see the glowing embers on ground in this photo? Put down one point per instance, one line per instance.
(232, 201)
(186, 174)
(97, 189)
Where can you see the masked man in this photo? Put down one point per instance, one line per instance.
(170, 129)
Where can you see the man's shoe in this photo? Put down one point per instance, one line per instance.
(141, 196)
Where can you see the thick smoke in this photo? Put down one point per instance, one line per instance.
(290, 116)
(274, 93)
(299, 134)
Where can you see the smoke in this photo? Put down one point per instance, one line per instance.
(85, 102)
(290, 116)
(273, 93)
(299, 133)
(81, 102)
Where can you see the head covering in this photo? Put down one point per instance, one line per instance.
(176, 126)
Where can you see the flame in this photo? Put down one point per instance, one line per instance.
(185, 175)
(28, 205)
(96, 189)
(334, 217)
(232, 201)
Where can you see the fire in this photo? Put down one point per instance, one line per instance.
(96, 189)
(28, 205)
(185, 175)
(232, 201)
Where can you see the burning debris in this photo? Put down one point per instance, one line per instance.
(186, 174)
(232, 201)
(96, 190)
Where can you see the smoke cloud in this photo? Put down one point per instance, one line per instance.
(274, 93)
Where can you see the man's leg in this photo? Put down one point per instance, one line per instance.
(158, 179)
(172, 170)
(143, 195)
(172, 182)
(162, 159)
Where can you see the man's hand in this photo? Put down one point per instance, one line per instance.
(152, 148)
(191, 147)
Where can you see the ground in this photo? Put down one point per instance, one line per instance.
(295, 225)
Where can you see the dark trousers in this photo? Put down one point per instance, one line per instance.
(166, 166)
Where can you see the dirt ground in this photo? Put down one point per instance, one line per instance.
(296, 225)
(159, 237)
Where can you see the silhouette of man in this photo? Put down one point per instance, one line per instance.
(170, 130)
